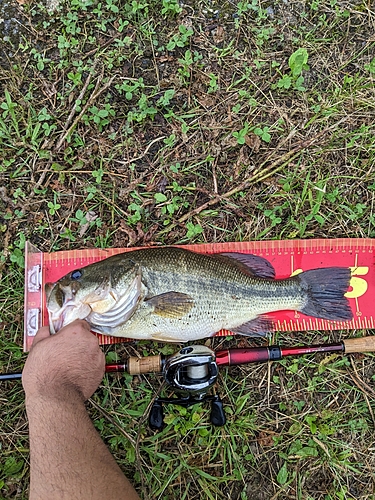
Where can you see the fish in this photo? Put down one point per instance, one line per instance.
(170, 294)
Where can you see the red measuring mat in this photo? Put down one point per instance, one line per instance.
(288, 257)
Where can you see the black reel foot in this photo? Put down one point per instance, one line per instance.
(155, 418)
(217, 417)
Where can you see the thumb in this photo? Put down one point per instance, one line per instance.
(41, 334)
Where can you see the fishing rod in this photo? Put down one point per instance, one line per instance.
(193, 371)
(229, 357)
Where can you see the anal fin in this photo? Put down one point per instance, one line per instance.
(257, 327)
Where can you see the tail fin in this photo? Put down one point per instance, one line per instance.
(325, 290)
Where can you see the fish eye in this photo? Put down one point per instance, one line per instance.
(76, 274)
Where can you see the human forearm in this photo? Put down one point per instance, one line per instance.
(68, 459)
(67, 456)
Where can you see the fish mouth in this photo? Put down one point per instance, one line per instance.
(62, 309)
(56, 322)
(68, 313)
(54, 307)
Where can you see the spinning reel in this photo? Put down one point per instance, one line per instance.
(191, 373)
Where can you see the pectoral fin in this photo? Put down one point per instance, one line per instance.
(171, 304)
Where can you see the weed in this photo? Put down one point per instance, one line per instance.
(186, 65)
(166, 98)
(171, 7)
(53, 205)
(9, 111)
(169, 205)
(170, 141)
(263, 133)
(180, 39)
(136, 212)
(99, 116)
(143, 111)
(297, 63)
(130, 87)
(76, 78)
(213, 85)
(241, 134)
(17, 253)
(98, 175)
(371, 66)
(91, 192)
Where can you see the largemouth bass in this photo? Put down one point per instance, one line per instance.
(174, 295)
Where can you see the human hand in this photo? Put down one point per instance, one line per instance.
(68, 364)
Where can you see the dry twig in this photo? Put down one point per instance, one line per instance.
(95, 94)
(260, 174)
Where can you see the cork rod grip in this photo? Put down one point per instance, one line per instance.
(364, 344)
(149, 364)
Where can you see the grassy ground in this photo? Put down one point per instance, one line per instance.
(138, 123)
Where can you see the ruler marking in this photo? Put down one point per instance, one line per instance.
(358, 311)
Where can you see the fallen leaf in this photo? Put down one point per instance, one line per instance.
(134, 236)
(219, 35)
(266, 438)
(207, 101)
(91, 216)
(253, 141)
(242, 161)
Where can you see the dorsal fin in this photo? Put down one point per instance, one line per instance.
(252, 265)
